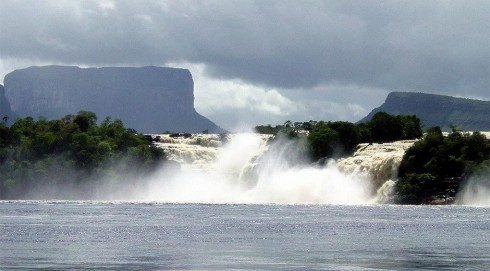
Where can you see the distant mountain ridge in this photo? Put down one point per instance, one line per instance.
(438, 110)
(148, 99)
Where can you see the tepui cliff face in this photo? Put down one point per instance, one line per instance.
(6, 113)
(438, 110)
(148, 99)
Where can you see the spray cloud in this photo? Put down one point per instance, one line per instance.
(248, 170)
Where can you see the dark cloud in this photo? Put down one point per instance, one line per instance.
(427, 46)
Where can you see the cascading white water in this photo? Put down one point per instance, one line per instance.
(243, 168)
(379, 163)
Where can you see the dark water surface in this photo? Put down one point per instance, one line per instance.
(39, 235)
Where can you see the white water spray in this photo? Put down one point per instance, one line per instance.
(475, 192)
(246, 169)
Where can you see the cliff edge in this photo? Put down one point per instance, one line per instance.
(148, 99)
(6, 113)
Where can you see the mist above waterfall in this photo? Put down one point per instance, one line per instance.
(475, 191)
(246, 169)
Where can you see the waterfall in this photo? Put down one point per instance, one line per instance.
(379, 163)
(206, 152)
(194, 152)
(244, 168)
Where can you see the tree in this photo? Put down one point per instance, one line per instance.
(414, 188)
(85, 119)
(348, 133)
(411, 126)
(323, 141)
(476, 148)
(385, 128)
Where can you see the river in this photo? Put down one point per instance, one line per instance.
(82, 235)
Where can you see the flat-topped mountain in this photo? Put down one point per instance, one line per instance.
(438, 110)
(148, 99)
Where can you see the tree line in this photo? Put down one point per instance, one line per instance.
(74, 150)
(339, 138)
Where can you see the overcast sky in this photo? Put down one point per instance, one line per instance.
(261, 62)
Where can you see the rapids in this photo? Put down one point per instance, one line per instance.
(243, 168)
(379, 163)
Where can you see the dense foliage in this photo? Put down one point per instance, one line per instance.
(385, 128)
(74, 150)
(331, 139)
(268, 129)
(435, 166)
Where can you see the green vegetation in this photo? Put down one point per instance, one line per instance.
(331, 139)
(387, 128)
(434, 167)
(268, 129)
(339, 138)
(438, 110)
(73, 150)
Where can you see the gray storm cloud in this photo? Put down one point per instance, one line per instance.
(425, 46)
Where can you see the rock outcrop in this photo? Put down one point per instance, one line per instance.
(148, 99)
(438, 110)
(6, 113)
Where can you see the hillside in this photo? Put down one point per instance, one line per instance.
(148, 99)
(438, 110)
